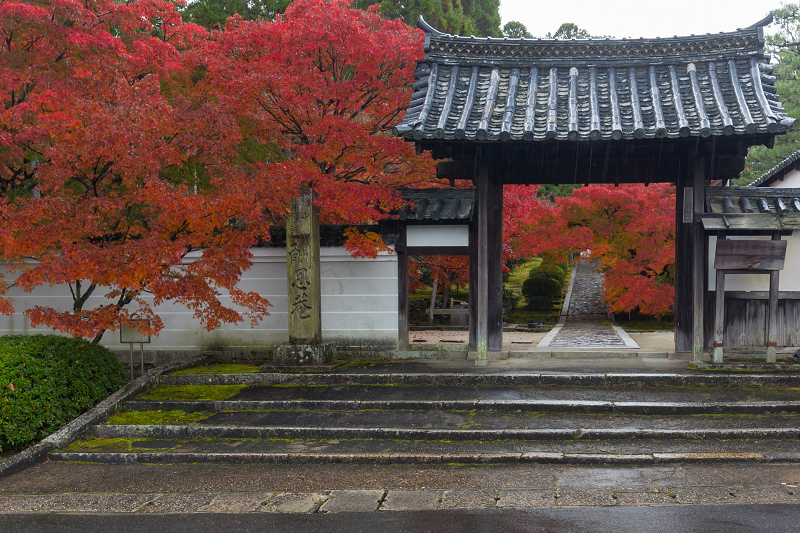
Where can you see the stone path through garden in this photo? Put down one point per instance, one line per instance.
(587, 324)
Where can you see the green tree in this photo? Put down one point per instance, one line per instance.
(445, 15)
(514, 29)
(569, 30)
(459, 17)
(484, 15)
(213, 13)
(785, 44)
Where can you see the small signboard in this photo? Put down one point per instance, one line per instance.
(131, 335)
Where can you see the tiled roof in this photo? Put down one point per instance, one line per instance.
(752, 208)
(485, 89)
(778, 171)
(438, 205)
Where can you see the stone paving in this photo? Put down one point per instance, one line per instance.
(587, 324)
(362, 501)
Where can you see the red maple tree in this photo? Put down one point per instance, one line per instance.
(93, 136)
(630, 228)
(325, 83)
(141, 157)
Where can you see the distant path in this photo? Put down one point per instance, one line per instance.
(587, 324)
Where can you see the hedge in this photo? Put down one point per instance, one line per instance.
(48, 380)
(543, 287)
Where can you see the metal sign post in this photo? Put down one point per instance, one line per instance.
(130, 335)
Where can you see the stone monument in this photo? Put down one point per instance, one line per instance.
(304, 287)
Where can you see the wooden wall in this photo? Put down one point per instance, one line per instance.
(745, 319)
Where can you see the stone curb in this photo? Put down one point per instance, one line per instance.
(381, 501)
(558, 406)
(498, 379)
(556, 458)
(284, 432)
(99, 413)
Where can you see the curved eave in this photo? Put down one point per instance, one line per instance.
(464, 99)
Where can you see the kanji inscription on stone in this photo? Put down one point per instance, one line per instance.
(302, 269)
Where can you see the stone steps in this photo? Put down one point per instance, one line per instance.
(457, 418)
(498, 405)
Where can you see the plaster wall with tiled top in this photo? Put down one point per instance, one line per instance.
(359, 307)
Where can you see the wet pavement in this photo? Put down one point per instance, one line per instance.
(331, 489)
(587, 324)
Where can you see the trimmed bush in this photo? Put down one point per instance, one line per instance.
(540, 284)
(46, 381)
(543, 287)
(540, 303)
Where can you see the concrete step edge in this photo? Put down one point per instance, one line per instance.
(579, 406)
(422, 458)
(491, 379)
(282, 432)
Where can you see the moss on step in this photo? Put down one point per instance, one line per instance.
(191, 392)
(219, 368)
(118, 445)
(157, 418)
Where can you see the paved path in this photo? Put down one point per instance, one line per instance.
(144, 490)
(688, 519)
(587, 324)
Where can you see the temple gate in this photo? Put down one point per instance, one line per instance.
(682, 110)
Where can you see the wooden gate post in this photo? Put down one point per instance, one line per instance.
(402, 288)
(486, 301)
(698, 257)
(749, 257)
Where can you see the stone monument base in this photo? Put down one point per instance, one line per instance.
(304, 354)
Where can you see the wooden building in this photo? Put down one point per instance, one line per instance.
(682, 110)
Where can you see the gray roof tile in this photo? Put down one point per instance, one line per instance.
(778, 171)
(438, 205)
(485, 89)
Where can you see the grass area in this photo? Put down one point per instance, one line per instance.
(523, 315)
(136, 418)
(220, 368)
(425, 294)
(519, 275)
(191, 392)
(637, 322)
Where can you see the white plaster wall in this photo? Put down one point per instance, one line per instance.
(790, 181)
(789, 279)
(437, 235)
(359, 306)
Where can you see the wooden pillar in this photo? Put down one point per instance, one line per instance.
(473, 283)
(699, 263)
(719, 317)
(495, 250)
(481, 249)
(402, 288)
(772, 310)
(486, 268)
(684, 237)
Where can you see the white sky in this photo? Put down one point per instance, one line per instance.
(637, 18)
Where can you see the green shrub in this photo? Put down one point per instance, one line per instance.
(540, 303)
(543, 287)
(540, 284)
(555, 272)
(46, 381)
